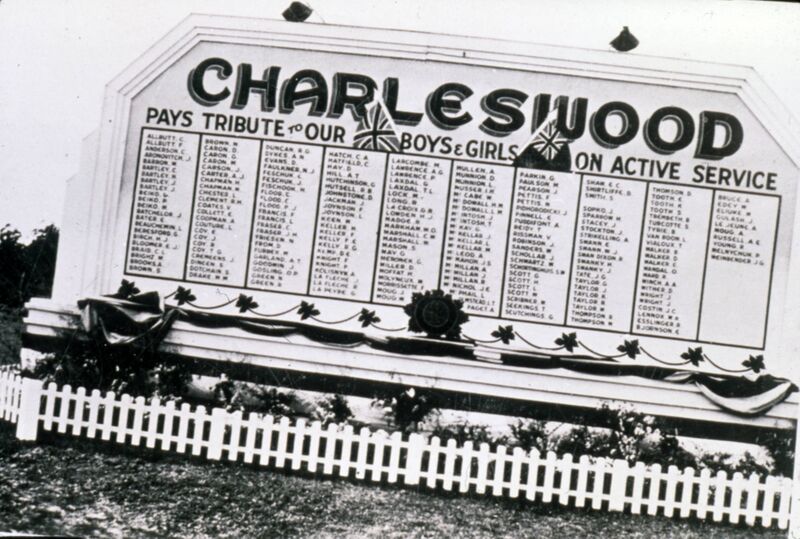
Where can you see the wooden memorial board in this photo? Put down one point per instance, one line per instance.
(622, 199)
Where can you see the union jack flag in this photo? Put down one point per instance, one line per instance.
(549, 141)
(375, 131)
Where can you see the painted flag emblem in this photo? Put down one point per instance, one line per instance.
(549, 141)
(376, 131)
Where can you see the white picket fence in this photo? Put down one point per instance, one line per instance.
(378, 456)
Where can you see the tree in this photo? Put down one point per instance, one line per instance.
(26, 270)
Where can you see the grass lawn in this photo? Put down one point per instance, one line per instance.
(67, 486)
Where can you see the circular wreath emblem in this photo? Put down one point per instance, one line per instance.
(436, 314)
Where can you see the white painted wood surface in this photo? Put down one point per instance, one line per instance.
(332, 450)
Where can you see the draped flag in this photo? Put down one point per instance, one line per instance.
(549, 141)
(547, 148)
(375, 131)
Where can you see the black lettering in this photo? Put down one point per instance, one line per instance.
(266, 87)
(196, 88)
(504, 105)
(630, 124)
(685, 125)
(734, 135)
(440, 105)
(317, 94)
(341, 99)
(391, 88)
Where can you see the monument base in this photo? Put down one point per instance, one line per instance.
(554, 394)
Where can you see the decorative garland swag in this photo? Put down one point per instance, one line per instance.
(440, 316)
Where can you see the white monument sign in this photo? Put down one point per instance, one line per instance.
(576, 204)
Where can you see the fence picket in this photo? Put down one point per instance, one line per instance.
(653, 495)
(752, 490)
(109, 403)
(549, 477)
(533, 474)
(395, 446)
(785, 503)
(619, 484)
(128, 420)
(138, 420)
(5, 394)
(153, 413)
(599, 470)
(735, 506)
(466, 467)
(703, 492)
(413, 466)
(720, 488)
(265, 449)
(347, 447)
(283, 441)
(517, 456)
(767, 509)
(251, 427)
(330, 449)
(638, 472)
(216, 436)
(166, 430)
(124, 412)
(49, 405)
(449, 463)
(199, 423)
(297, 443)
(584, 466)
(669, 496)
(483, 468)
(686, 492)
(364, 438)
(64, 397)
(94, 409)
(30, 401)
(235, 424)
(184, 418)
(77, 416)
(314, 435)
(378, 443)
(499, 470)
(433, 461)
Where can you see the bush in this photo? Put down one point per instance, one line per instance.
(780, 446)
(532, 433)
(464, 432)
(135, 370)
(406, 409)
(334, 409)
(243, 397)
(668, 452)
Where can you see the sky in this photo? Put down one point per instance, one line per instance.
(57, 55)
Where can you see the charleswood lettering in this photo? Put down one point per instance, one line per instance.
(447, 107)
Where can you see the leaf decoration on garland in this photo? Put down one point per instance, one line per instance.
(245, 303)
(307, 310)
(755, 363)
(694, 356)
(568, 340)
(184, 295)
(367, 318)
(505, 334)
(126, 289)
(630, 348)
